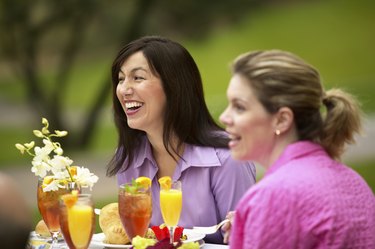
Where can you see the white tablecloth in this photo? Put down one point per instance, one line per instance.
(206, 246)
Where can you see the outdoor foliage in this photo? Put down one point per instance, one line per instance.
(42, 40)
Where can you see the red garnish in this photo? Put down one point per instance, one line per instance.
(178, 232)
(163, 233)
(160, 233)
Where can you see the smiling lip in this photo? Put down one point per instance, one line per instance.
(234, 141)
(132, 107)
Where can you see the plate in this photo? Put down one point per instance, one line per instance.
(192, 236)
(98, 238)
(37, 236)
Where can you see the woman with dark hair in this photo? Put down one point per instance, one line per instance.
(165, 129)
(280, 116)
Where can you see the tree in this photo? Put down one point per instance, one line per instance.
(33, 29)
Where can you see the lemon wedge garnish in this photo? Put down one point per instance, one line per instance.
(144, 182)
(70, 199)
(165, 182)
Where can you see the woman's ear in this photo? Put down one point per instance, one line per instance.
(284, 119)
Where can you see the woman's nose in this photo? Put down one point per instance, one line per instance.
(126, 89)
(224, 117)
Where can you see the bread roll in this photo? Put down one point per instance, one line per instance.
(110, 223)
(42, 229)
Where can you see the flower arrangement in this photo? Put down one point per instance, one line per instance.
(55, 168)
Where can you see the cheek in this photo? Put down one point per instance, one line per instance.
(118, 92)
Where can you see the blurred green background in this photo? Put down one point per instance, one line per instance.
(336, 36)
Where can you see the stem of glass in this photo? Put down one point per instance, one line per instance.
(171, 235)
(55, 239)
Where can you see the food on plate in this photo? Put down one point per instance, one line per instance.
(109, 222)
(42, 229)
(144, 243)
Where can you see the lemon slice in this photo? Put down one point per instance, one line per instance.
(70, 199)
(165, 182)
(143, 181)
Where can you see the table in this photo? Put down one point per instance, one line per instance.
(206, 246)
(62, 245)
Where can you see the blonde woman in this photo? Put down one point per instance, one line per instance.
(280, 116)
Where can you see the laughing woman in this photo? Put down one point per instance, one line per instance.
(307, 197)
(165, 129)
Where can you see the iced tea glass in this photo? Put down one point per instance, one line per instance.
(135, 210)
(48, 204)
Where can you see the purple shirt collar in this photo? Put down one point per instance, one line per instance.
(193, 156)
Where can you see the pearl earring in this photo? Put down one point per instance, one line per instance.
(277, 132)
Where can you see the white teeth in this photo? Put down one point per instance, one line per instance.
(132, 104)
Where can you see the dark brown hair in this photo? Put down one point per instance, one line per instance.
(186, 116)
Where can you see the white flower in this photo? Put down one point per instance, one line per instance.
(21, 148)
(59, 163)
(61, 133)
(58, 169)
(42, 154)
(52, 186)
(58, 151)
(85, 178)
(40, 168)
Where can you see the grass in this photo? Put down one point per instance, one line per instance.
(335, 36)
(367, 170)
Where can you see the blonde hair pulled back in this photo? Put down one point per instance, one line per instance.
(282, 79)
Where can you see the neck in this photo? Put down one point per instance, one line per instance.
(281, 142)
(165, 162)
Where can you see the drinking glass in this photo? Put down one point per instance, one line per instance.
(78, 222)
(171, 205)
(48, 204)
(135, 210)
(64, 228)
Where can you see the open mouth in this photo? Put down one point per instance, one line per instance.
(133, 106)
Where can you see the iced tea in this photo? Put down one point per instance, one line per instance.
(135, 211)
(48, 204)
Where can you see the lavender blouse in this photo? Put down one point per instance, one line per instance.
(306, 200)
(212, 184)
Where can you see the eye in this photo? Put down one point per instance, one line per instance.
(239, 107)
(120, 80)
(138, 78)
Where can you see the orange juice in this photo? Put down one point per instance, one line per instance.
(64, 226)
(80, 223)
(171, 205)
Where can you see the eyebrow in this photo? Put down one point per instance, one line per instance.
(134, 69)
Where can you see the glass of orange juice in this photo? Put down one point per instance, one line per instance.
(135, 209)
(77, 221)
(171, 205)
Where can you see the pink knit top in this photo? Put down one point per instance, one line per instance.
(306, 200)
